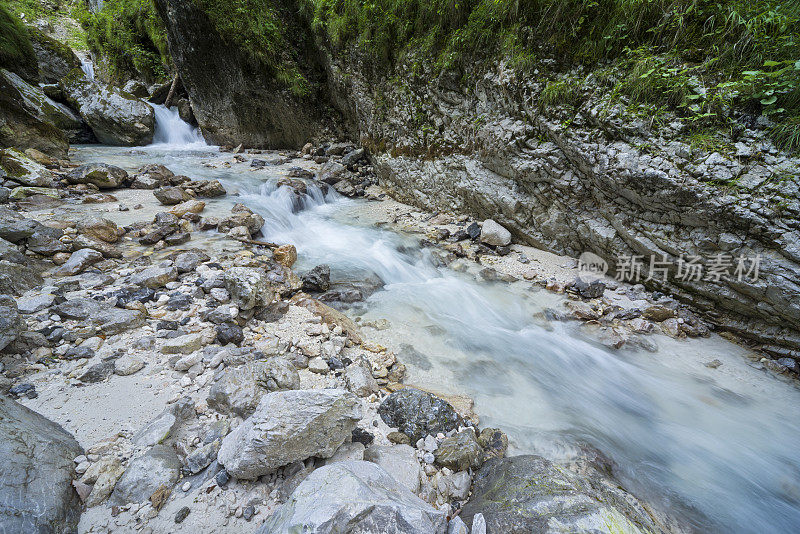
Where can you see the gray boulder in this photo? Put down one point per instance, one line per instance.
(400, 461)
(171, 195)
(355, 497)
(115, 117)
(107, 319)
(11, 324)
(249, 286)
(20, 168)
(158, 467)
(494, 234)
(16, 279)
(36, 473)
(78, 262)
(288, 426)
(238, 390)
(524, 494)
(55, 58)
(418, 413)
(99, 174)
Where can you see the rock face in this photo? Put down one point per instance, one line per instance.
(36, 473)
(26, 117)
(115, 117)
(235, 99)
(356, 497)
(417, 413)
(288, 426)
(524, 494)
(568, 190)
(55, 59)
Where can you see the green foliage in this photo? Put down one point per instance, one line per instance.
(131, 36)
(564, 93)
(16, 51)
(259, 28)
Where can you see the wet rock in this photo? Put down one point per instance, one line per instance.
(158, 467)
(400, 461)
(250, 287)
(99, 228)
(115, 117)
(107, 250)
(495, 235)
(317, 279)
(171, 196)
(238, 390)
(417, 413)
(78, 261)
(353, 157)
(99, 174)
(288, 426)
(229, 333)
(460, 452)
(36, 493)
(209, 189)
(494, 442)
(14, 227)
(242, 216)
(188, 207)
(588, 289)
(528, 493)
(354, 496)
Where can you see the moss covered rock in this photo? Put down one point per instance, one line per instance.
(54, 58)
(16, 50)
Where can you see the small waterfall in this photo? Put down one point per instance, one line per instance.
(88, 68)
(173, 131)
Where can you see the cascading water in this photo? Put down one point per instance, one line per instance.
(172, 131)
(718, 447)
(88, 68)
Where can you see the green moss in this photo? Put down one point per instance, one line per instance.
(132, 38)
(16, 50)
(564, 93)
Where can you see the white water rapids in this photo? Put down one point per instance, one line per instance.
(717, 448)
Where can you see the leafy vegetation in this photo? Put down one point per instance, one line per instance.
(699, 57)
(131, 36)
(62, 14)
(260, 28)
(16, 50)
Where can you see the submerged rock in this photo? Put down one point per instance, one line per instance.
(36, 472)
(356, 497)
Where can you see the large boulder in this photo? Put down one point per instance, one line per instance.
(36, 473)
(11, 324)
(107, 319)
(18, 167)
(115, 117)
(54, 57)
(238, 390)
(100, 174)
(356, 497)
(525, 494)
(418, 413)
(16, 279)
(288, 426)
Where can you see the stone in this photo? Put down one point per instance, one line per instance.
(99, 228)
(398, 438)
(229, 333)
(99, 174)
(157, 467)
(187, 262)
(457, 526)
(187, 362)
(418, 413)
(128, 365)
(353, 157)
(285, 255)
(11, 324)
(318, 365)
(202, 457)
(185, 344)
(190, 206)
(29, 117)
(527, 493)
(35, 303)
(359, 379)
(356, 497)
(658, 313)
(460, 452)
(317, 279)
(250, 287)
(288, 426)
(238, 390)
(331, 173)
(14, 227)
(182, 514)
(136, 88)
(115, 117)
(495, 235)
(494, 442)
(171, 195)
(346, 452)
(97, 372)
(107, 319)
(164, 425)
(154, 277)
(105, 482)
(36, 472)
(400, 461)
(78, 262)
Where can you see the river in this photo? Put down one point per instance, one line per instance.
(717, 448)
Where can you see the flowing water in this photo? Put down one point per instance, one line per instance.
(717, 447)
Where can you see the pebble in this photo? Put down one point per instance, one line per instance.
(186, 486)
(181, 515)
(248, 512)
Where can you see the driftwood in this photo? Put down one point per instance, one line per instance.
(171, 94)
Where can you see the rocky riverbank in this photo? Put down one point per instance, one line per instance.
(211, 388)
